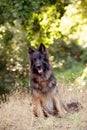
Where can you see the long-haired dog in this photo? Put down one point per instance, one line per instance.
(44, 91)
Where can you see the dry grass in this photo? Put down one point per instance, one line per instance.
(16, 114)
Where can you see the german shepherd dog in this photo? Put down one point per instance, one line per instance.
(44, 91)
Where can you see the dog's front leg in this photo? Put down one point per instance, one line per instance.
(58, 105)
(37, 108)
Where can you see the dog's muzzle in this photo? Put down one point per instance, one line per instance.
(39, 68)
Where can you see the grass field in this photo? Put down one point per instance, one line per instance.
(16, 113)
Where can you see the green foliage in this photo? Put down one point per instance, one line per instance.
(66, 53)
(84, 56)
(82, 6)
(71, 74)
(13, 57)
(43, 27)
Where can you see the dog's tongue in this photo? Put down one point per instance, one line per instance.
(40, 70)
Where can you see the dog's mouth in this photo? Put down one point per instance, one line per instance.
(40, 70)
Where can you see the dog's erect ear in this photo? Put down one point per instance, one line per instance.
(42, 48)
(31, 50)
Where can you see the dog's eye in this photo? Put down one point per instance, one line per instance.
(34, 59)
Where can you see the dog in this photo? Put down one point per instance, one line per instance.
(44, 91)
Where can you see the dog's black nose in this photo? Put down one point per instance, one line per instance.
(38, 65)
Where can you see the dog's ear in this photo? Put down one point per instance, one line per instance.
(31, 50)
(42, 48)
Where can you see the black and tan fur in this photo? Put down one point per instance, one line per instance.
(44, 90)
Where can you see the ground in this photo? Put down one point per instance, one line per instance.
(16, 114)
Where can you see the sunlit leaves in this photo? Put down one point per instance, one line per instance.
(44, 26)
(73, 25)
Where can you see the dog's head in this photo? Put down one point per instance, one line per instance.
(39, 60)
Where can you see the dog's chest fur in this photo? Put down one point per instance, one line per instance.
(43, 84)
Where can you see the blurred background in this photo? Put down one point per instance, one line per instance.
(60, 24)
